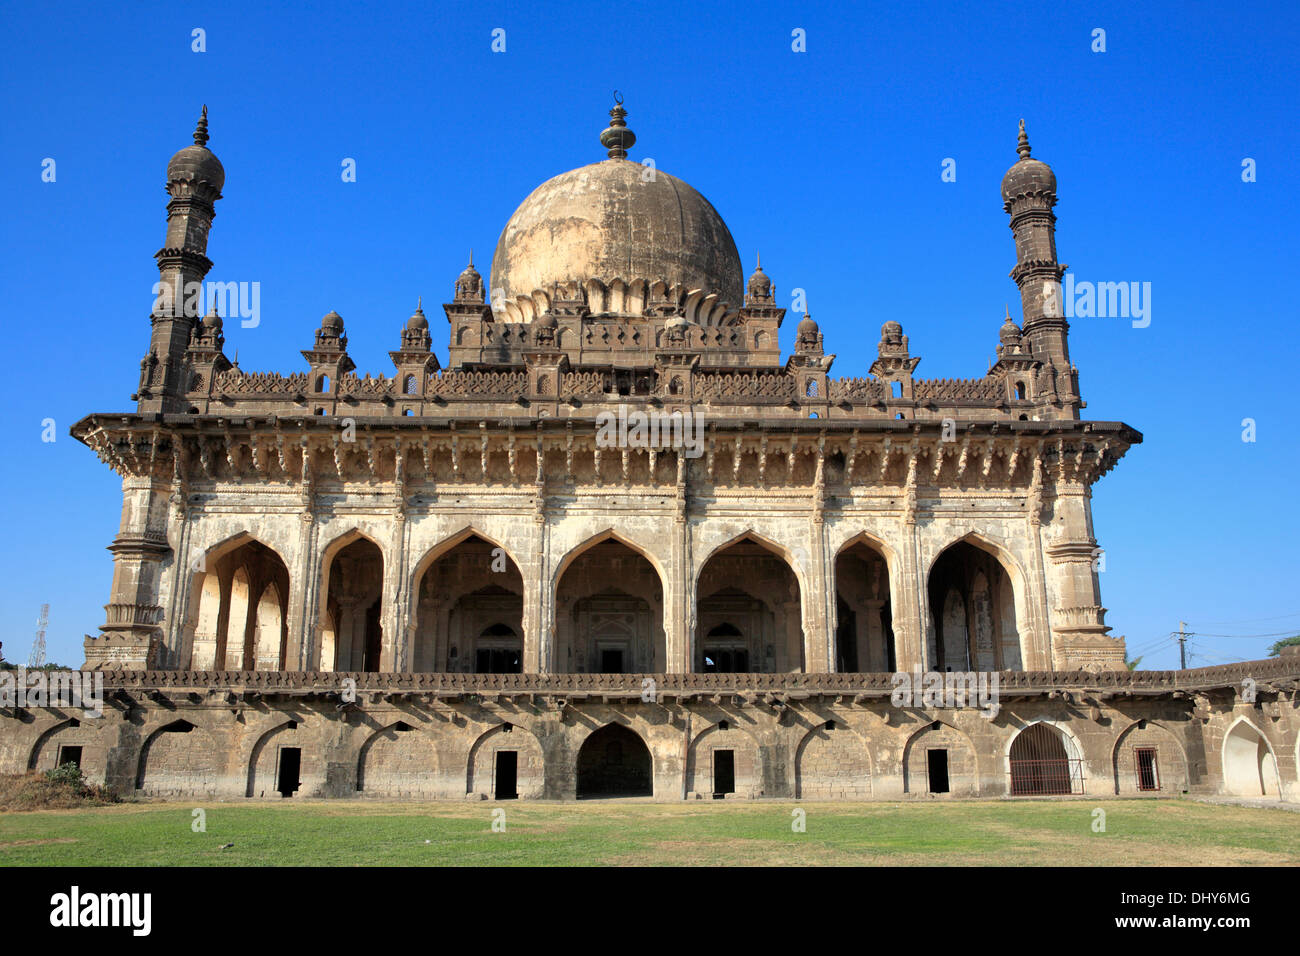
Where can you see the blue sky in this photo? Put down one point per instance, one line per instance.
(827, 161)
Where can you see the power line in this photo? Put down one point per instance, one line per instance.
(1251, 620)
(1153, 645)
(1251, 637)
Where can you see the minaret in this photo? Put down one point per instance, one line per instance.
(1028, 194)
(194, 180)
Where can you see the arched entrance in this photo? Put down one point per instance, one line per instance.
(972, 613)
(748, 612)
(1041, 764)
(1249, 769)
(238, 614)
(614, 762)
(609, 613)
(469, 611)
(353, 636)
(864, 631)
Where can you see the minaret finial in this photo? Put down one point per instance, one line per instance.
(1008, 308)
(617, 138)
(201, 130)
(471, 258)
(759, 257)
(1023, 146)
(419, 303)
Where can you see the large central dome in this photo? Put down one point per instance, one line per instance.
(611, 220)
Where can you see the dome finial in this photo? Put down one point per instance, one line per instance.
(1008, 308)
(471, 258)
(617, 138)
(201, 130)
(1023, 146)
(419, 303)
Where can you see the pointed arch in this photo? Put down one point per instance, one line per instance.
(212, 637)
(614, 760)
(480, 771)
(960, 762)
(745, 763)
(1167, 767)
(34, 755)
(988, 543)
(763, 597)
(609, 594)
(352, 623)
(178, 767)
(1250, 766)
(863, 628)
(453, 596)
(255, 755)
(398, 760)
(609, 534)
(994, 626)
(1044, 756)
(832, 763)
(445, 546)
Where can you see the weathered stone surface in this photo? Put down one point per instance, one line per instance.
(450, 582)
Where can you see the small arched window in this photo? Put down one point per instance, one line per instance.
(411, 386)
(811, 391)
(323, 383)
(1020, 391)
(896, 389)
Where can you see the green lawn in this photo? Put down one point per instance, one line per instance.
(1020, 833)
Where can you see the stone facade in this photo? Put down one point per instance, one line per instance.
(530, 607)
(222, 734)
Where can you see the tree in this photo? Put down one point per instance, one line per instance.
(1276, 649)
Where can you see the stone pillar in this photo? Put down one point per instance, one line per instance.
(179, 650)
(679, 599)
(303, 652)
(133, 630)
(1079, 637)
(395, 653)
(1039, 647)
(819, 614)
(910, 620)
(539, 632)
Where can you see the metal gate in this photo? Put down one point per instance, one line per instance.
(1040, 765)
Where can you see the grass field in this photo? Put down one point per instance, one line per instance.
(613, 833)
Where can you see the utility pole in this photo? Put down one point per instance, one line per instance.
(1182, 644)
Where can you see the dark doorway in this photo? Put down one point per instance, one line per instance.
(846, 638)
(496, 660)
(70, 755)
(936, 766)
(1039, 764)
(1148, 778)
(614, 762)
(507, 775)
(887, 627)
(724, 773)
(286, 776)
(374, 639)
(611, 662)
